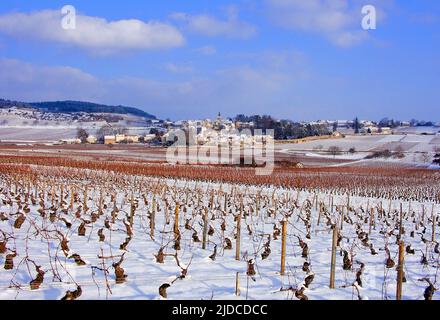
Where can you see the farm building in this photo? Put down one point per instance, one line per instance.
(386, 130)
(110, 140)
(149, 137)
(91, 139)
(131, 139)
(70, 141)
(120, 138)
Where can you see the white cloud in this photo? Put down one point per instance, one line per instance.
(425, 18)
(174, 68)
(206, 50)
(211, 26)
(91, 33)
(33, 83)
(337, 20)
(250, 88)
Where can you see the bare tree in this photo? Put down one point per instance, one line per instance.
(334, 150)
(82, 134)
(426, 157)
(105, 130)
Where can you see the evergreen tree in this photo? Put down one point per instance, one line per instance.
(356, 126)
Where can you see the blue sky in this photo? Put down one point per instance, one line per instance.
(301, 60)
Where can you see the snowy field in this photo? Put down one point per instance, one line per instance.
(16, 128)
(145, 220)
(412, 145)
(410, 142)
(30, 135)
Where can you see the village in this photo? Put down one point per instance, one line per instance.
(222, 130)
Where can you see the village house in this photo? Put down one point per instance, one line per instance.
(120, 138)
(369, 129)
(386, 130)
(70, 141)
(91, 139)
(131, 139)
(109, 140)
(149, 137)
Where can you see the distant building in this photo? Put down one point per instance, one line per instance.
(110, 140)
(386, 130)
(91, 139)
(131, 139)
(149, 137)
(244, 125)
(70, 141)
(120, 138)
(369, 129)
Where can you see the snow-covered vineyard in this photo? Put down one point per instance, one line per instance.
(77, 234)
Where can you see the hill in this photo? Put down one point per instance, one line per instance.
(76, 106)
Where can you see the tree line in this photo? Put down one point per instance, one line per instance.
(284, 129)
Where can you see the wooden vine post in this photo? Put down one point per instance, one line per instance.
(52, 194)
(401, 222)
(237, 246)
(333, 257)
(132, 209)
(153, 216)
(283, 246)
(85, 200)
(380, 211)
(257, 205)
(61, 196)
(101, 202)
(319, 215)
(36, 190)
(211, 200)
(205, 228)
(72, 197)
(225, 206)
(371, 220)
(433, 223)
(176, 221)
(400, 270)
(342, 217)
(237, 284)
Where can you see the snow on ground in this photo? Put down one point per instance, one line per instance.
(29, 126)
(208, 279)
(413, 145)
(29, 134)
(417, 130)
